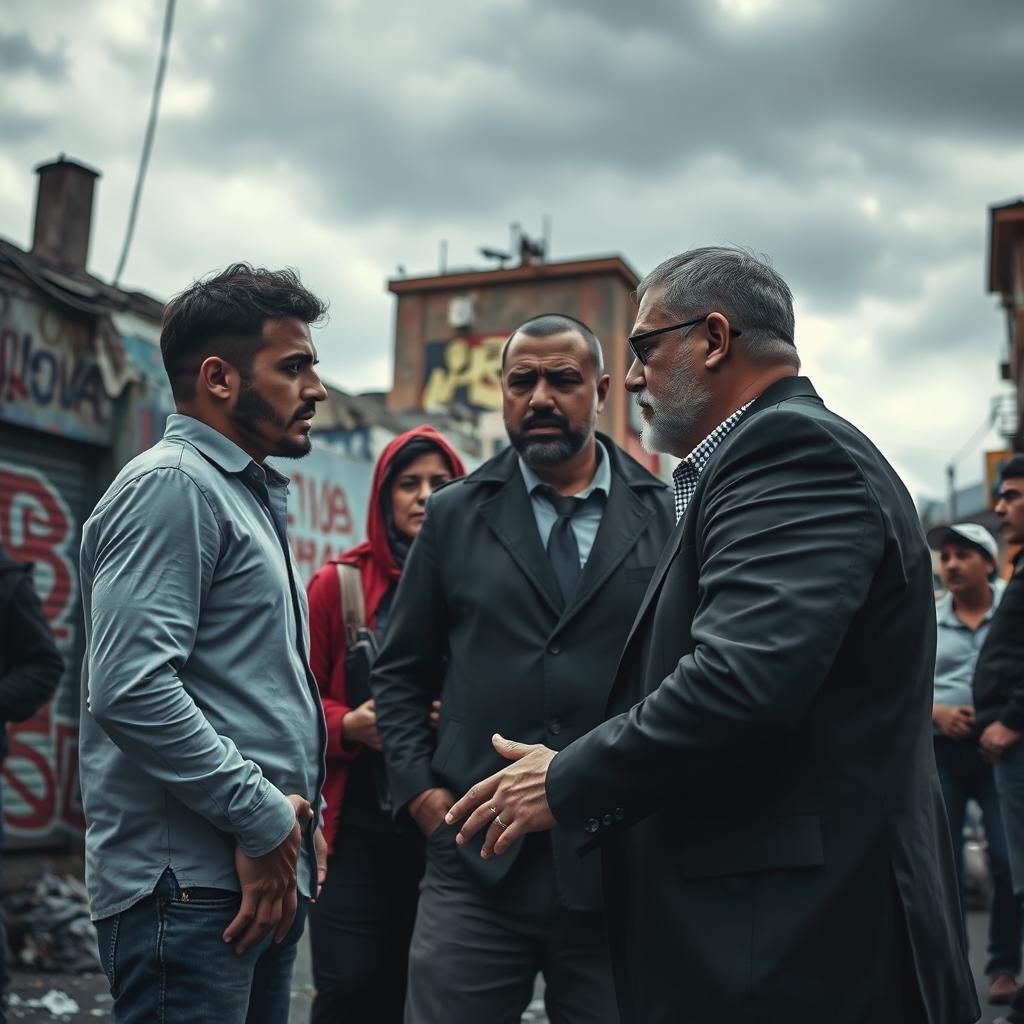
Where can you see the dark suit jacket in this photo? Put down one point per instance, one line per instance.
(479, 617)
(998, 675)
(775, 844)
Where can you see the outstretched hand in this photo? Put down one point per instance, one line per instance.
(512, 802)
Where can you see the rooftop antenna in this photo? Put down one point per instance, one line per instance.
(442, 257)
(546, 232)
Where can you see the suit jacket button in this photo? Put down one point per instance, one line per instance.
(592, 825)
(554, 649)
(554, 726)
(608, 819)
(619, 814)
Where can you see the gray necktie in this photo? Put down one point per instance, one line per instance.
(562, 547)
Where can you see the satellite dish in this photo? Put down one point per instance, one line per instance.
(495, 254)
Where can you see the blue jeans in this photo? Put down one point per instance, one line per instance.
(166, 962)
(963, 775)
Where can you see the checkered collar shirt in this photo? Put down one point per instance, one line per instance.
(687, 473)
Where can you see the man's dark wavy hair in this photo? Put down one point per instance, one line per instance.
(223, 315)
(1013, 468)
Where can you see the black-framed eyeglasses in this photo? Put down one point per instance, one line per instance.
(636, 342)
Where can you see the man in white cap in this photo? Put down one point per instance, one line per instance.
(967, 564)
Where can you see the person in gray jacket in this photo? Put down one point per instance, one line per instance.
(202, 740)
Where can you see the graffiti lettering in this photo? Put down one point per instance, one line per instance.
(49, 378)
(466, 370)
(321, 500)
(36, 526)
(311, 553)
(319, 506)
(30, 373)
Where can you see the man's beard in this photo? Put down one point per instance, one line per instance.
(252, 409)
(671, 428)
(553, 450)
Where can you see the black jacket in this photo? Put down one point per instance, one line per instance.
(775, 845)
(478, 587)
(999, 672)
(30, 666)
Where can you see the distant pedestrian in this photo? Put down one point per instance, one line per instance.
(967, 564)
(362, 923)
(514, 605)
(203, 739)
(999, 689)
(764, 791)
(30, 669)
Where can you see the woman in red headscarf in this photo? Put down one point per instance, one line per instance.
(361, 924)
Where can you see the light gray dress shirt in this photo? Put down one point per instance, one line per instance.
(957, 650)
(587, 521)
(199, 711)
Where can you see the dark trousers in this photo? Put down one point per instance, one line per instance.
(5, 978)
(167, 963)
(963, 775)
(1009, 773)
(360, 927)
(476, 952)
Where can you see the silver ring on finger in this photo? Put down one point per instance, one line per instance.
(498, 821)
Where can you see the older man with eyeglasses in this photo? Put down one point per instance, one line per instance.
(764, 792)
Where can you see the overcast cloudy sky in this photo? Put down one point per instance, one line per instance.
(857, 143)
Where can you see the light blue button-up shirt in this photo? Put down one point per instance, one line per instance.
(199, 711)
(957, 650)
(587, 521)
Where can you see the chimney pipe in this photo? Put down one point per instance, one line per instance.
(64, 213)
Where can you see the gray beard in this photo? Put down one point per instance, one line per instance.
(670, 429)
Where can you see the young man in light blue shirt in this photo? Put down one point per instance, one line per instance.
(202, 737)
(967, 563)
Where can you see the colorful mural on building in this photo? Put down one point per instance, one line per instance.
(464, 370)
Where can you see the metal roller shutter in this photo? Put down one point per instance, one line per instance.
(46, 492)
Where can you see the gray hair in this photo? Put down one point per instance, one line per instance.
(738, 284)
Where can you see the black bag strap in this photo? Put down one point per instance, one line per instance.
(353, 607)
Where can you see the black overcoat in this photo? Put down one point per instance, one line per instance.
(764, 791)
(479, 619)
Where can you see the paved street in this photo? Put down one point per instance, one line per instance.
(89, 991)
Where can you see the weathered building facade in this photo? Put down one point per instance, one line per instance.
(1006, 279)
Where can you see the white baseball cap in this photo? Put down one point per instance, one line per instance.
(970, 532)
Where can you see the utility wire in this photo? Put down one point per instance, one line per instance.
(990, 420)
(147, 144)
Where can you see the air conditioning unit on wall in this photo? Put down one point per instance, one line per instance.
(461, 311)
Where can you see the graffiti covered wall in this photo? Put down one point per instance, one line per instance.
(326, 505)
(49, 379)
